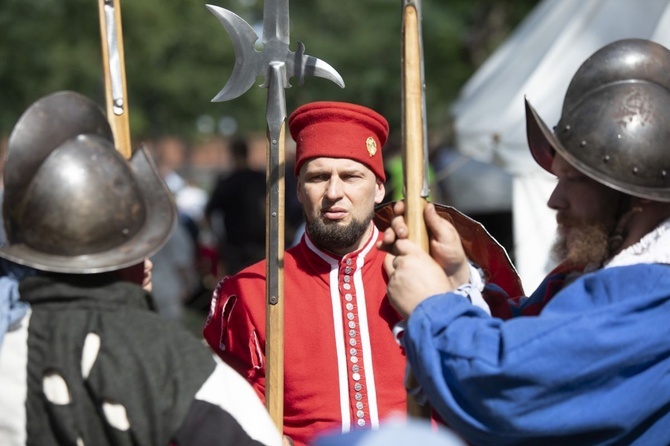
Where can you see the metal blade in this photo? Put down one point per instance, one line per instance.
(245, 69)
(276, 21)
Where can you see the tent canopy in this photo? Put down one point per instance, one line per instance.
(538, 61)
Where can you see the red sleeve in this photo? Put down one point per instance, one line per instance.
(236, 332)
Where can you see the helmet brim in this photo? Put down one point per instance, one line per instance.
(542, 142)
(160, 220)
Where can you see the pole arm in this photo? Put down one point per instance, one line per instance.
(276, 63)
(415, 148)
(415, 142)
(114, 72)
(274, 247)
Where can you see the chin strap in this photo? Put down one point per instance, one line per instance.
(627, 211)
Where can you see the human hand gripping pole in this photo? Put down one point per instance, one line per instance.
(276, 63)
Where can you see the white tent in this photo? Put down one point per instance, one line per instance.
(537, 61)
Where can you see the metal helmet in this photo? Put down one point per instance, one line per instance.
(615, 122)
(46, 124)
(76, 205)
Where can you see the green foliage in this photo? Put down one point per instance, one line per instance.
(178, 56)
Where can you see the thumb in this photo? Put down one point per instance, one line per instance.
(441, 229)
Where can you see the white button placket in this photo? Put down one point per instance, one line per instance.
(355, 374)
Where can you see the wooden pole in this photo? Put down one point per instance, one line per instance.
(414, 149)
(114, 72)
(274, 248)
(413, 135)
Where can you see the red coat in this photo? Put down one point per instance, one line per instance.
(343, 367)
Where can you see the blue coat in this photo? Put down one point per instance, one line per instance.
(593, 368)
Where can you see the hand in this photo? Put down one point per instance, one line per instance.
(146, 279)
(287, 441)
(398, 228)
(445, 243)
(446, 247)
(140, 273)
(413, 274)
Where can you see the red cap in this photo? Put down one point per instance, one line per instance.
(339, 130)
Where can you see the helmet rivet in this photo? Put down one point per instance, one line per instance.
(125, 231)
(566, 129)
(606, 159)
(619, 136)
(664, 173)
(635, 170)
(582, 144)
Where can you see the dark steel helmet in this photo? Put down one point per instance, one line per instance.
(79, 206)
(615, 122)
(46, 124)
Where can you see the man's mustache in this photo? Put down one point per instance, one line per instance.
(563, 219)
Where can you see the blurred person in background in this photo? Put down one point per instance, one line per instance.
(170, 154)
(236, 212)
(176, 274)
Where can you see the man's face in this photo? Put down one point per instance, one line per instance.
(338, 196)
(586, 215)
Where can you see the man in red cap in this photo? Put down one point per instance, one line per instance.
(343, 367)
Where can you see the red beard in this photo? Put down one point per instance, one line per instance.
(583, 243)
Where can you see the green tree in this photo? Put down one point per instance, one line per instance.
(178, 56)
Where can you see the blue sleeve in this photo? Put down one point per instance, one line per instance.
(590, 368)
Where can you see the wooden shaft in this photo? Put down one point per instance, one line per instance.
(413, 134)
(274, 342)
(413, 145)
(117, 114)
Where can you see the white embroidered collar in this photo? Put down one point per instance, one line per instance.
(652, 248)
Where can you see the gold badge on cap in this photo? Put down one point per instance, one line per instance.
(371, 145)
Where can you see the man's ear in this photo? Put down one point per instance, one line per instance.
(380, 191)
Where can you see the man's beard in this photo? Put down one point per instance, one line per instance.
(335, 237)
(581, 243)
